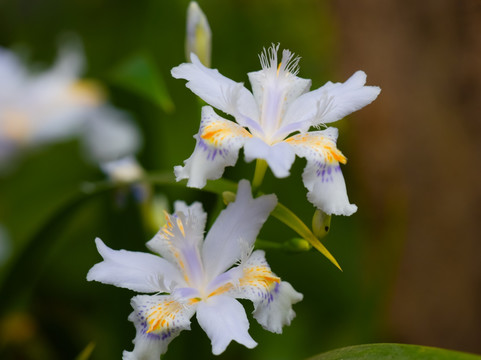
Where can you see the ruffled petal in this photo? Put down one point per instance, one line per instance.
(195, 210)
(272, 297)
(218, 144)
(322, 175)
(235, 230)
(331, 102)
(216, 89)
(157, 319)
(280, 156)
(224, 319)
(136, 271)
(180, 240)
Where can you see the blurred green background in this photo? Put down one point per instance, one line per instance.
(410, 253)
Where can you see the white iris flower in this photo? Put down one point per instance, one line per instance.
(279, 106)
(201, 276)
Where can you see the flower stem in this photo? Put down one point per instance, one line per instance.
(260, 171)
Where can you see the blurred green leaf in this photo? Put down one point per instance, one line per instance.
(139, 75)
(393, 352)
(85, 354)
(32, 194)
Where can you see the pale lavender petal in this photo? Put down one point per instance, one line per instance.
(322, 175)
(235, 230)
(332, 101)
(272, 297)
(279, 157)
(158, 320)
(136, 271)
(218, 144)
(224, 319)
(216, 89)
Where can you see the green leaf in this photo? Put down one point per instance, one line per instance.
(139, 75)
(393, 352)
(285, 215)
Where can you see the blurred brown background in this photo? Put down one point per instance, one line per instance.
(420, 145)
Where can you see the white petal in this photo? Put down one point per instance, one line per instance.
(272, 298)
(235, 230)
(158, 320)
(279, 156)
(216, 89)
(136, 271)
(329, 191)
(332, 101)
(179, 241)
(277, 312)
(275, 87)
(322, 175)
(224, 319)
(218, 144)
(195, 210)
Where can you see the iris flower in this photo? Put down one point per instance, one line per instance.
(201, 276)
(272, 124)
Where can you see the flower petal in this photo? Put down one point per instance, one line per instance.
(275, 87)
(279, 156)
(235, 230)
(322, 175)
(216, 89)
(136, 271)
(179, 241)
(272, 298)
(158, 319)
(195, 210)
(224, 319)
(331, 102)
(218, 144)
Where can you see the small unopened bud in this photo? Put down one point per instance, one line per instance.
(124, 170)
(228, 197)
(321, 224)
(199, 37)
(297, 245)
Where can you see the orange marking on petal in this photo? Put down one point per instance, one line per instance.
(218, 131)
(163, 315)
(320, 144)
(220, 290)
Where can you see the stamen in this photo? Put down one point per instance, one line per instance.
(290, 61)
(268, 57)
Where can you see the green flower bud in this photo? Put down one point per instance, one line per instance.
(321, 224)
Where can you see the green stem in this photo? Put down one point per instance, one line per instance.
(260, 171)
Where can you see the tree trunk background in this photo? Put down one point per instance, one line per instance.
(416, 153)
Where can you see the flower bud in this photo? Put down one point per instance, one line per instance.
(321, 223)
(297, 245)
(199, 37)
(228, 197)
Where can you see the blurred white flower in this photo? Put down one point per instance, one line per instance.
(124, 170)
(38, 108)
